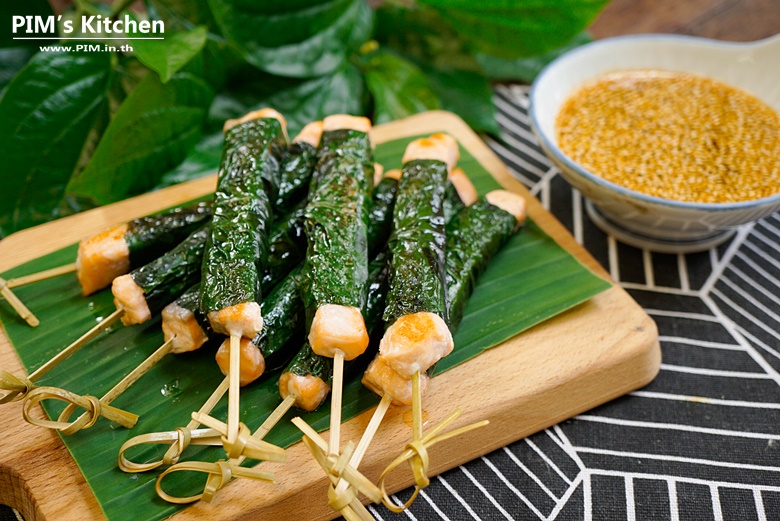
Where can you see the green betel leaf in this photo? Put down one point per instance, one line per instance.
(46, 115)
(202, 160)
(167, 57)
(340, 92)
(398, 87)
(466, 93)
(12, 60)
(182, 14)
(532, 279)
(526, 69)
(152, 132)
(298, 39)
(423, 36)
(514, 29)
(29, 8)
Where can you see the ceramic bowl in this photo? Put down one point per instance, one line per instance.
(642, 220)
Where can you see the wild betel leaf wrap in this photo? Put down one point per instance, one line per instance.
(336, 267)
(168, 276)
(284, 320)
(298, 163)
(474, 236)
(307, 362)
(149, 237)
(190, 300)
(417, 246)
(237, 248)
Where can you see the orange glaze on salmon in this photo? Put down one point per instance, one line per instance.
(257, 114)
(245, 319)
(379, 171)
(511, 203)
(415, 342)
(180, 325)
(382, 380)
(345, 121)
(441, 147)
(309, 391)
(464, 186)
(337, 327)
(395, 173)
(311, 134)
(252, 361)
(102, 258)
(129, 297)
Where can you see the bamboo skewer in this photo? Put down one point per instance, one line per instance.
(94, 409)
(172, 455)
(18, 305)
(338, 468)
(234, 403)
(417, 450)
(178, 439)
(41, 275)
(245, 443)
(215, 481)
(222, 472)
(15, 393)
(335, 403)
(365, 440)
(86, 418)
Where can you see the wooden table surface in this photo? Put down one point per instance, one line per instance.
(734, 20)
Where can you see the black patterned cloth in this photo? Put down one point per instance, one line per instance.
(701, 442)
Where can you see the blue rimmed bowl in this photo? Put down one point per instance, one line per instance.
(635, 218)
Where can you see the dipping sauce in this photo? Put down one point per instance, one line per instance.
(674, 135)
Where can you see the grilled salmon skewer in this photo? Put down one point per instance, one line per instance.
(409, 349)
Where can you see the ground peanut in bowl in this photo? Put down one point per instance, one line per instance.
(673, 135)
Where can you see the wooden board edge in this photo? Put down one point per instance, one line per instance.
(45, 239)
(636, 364)
(29, 244)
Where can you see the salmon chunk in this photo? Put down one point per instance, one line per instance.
(102, 258)
(180, 325)
(245, 319)
(309, 391)
(129, 297)
(382, 380)
(415, 342)
(337, 327)
(252, 361)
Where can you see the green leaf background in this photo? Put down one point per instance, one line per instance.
(530, 280)
(46, 115)
(155, 114)
(295, 39)
(167, 57)
(152, 132)
(398, 87)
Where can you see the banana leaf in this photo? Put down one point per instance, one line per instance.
(531, 279)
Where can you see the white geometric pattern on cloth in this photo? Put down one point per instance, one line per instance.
(702, 441)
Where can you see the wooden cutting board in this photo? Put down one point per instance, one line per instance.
(589, 355)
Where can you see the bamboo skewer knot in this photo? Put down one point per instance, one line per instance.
(224, 471)
(178, 441)
(183, 439)
(416, 454)
(18, 386)
(337, 468)
(245, 444)
(94, 408)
